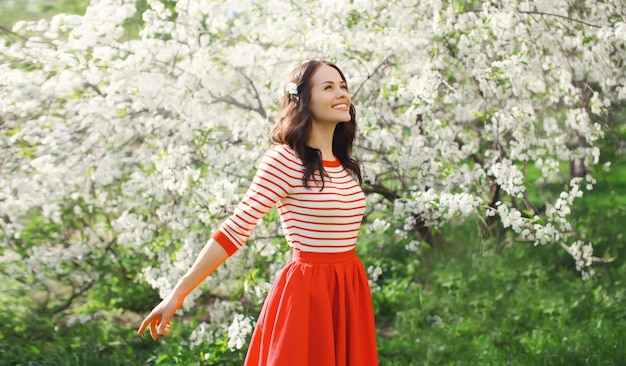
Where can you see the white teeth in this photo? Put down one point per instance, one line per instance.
(340, 106)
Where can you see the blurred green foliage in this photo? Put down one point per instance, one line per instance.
(12, 11)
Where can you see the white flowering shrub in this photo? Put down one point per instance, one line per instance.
(121, 152)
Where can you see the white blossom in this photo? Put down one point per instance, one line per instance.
(202, 334)
(414, 246)
(239, 330)
(373, 273)
(148, 142)
(380, 225)
(508, 177)
(583, 255)
(291, 89)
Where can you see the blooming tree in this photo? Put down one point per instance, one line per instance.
(122, 151)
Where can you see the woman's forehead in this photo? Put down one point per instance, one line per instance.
(326, 74)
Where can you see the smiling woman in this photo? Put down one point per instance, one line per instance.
(330, 101)
(311, 116)
(319, 310)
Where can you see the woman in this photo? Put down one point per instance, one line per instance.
(319, 311)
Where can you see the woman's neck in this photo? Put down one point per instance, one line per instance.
(321, 138)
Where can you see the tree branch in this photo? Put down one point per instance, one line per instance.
(389, 194)
(9, 33)
(257, 96)
(559, 16)
(602, 260)
(593, 259)
(68, 302)
(385, 62)
(534, 12)
(232, 101)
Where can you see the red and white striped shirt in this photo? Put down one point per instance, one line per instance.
(326, 221)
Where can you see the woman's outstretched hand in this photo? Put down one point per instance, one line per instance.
(211, 256)
(160, 317)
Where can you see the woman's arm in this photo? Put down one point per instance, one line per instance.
(277, 174)
(211, 257)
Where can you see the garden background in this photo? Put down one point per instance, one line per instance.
(493, 145)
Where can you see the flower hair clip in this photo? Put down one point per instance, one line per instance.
(291, 89)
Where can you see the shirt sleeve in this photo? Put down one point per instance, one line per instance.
(273, 181)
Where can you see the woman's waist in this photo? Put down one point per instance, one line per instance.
(305, 256)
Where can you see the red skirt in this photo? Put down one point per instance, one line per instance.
(318, 313)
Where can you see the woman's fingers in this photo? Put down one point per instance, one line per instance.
(153, 330)
(158, 321)
(143, 325)
(163, 325)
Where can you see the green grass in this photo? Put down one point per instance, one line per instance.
(516, 306)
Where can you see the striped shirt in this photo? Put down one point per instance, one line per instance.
(325, 221)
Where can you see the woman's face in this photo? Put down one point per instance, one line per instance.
(330, 101)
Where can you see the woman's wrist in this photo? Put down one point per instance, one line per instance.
(178, 295)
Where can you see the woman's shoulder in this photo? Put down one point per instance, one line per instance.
(282, 148)
(285, 151)
(284, 154)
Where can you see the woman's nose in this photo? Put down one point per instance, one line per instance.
(342, 93)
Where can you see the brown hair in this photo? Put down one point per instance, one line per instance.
(295, 122)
